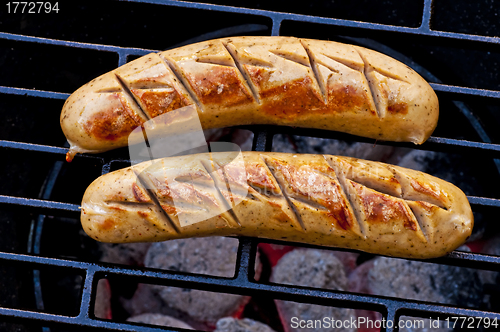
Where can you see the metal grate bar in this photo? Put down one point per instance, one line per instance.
(475, 200)
(280, 16)
(426, 16)
(33, 93)
(78, 321)
(470, 145)
(235, 285)
(469, 259)
(87, 301)
(277, 18)
(460, 90)
(262, 144)
(39, 204)
(262, 140)
(390, 316)
(33, 147)
(245, 260)
(90, 46)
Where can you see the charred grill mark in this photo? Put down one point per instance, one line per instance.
(131, 96)
(152, 195)
(283, 192)
(181, 79)
(246, 79)
(314, 68)
(225, 203)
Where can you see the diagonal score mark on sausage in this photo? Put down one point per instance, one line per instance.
(214, 62)
(129, 204)
(341, 180)
(436, 200)
(363, 197)
(314, 67)
(227, 205)
(390, 169)
(131, 97)
(420, 223)
(376, 99)
(282, 187)
(335, 202)
(295, 59)
(379, 95)
(109, 90)
(177, 72)
(341, 61)
(350, 65)
(152, 195)
(231, 49)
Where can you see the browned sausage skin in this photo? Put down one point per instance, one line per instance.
(256, 80)
(318, 199)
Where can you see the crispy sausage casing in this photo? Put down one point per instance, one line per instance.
(256, 80)
(318, 199)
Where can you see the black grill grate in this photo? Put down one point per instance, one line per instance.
(242, 282)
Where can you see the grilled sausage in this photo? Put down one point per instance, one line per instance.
(318, 199)
(255, 80)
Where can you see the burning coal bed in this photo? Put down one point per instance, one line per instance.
(283, 264)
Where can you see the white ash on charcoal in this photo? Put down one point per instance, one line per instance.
(348, 259)
(145, 300)
(311, 268)
(465, 172)
(230, 324)
(491, 247)
(416, 280)
(241, 137)
(159, 319)
(215, 256)
(425, 282)
(305, 144)
(124, 253)
(274, 252)
(102, 304)
(491, 279)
